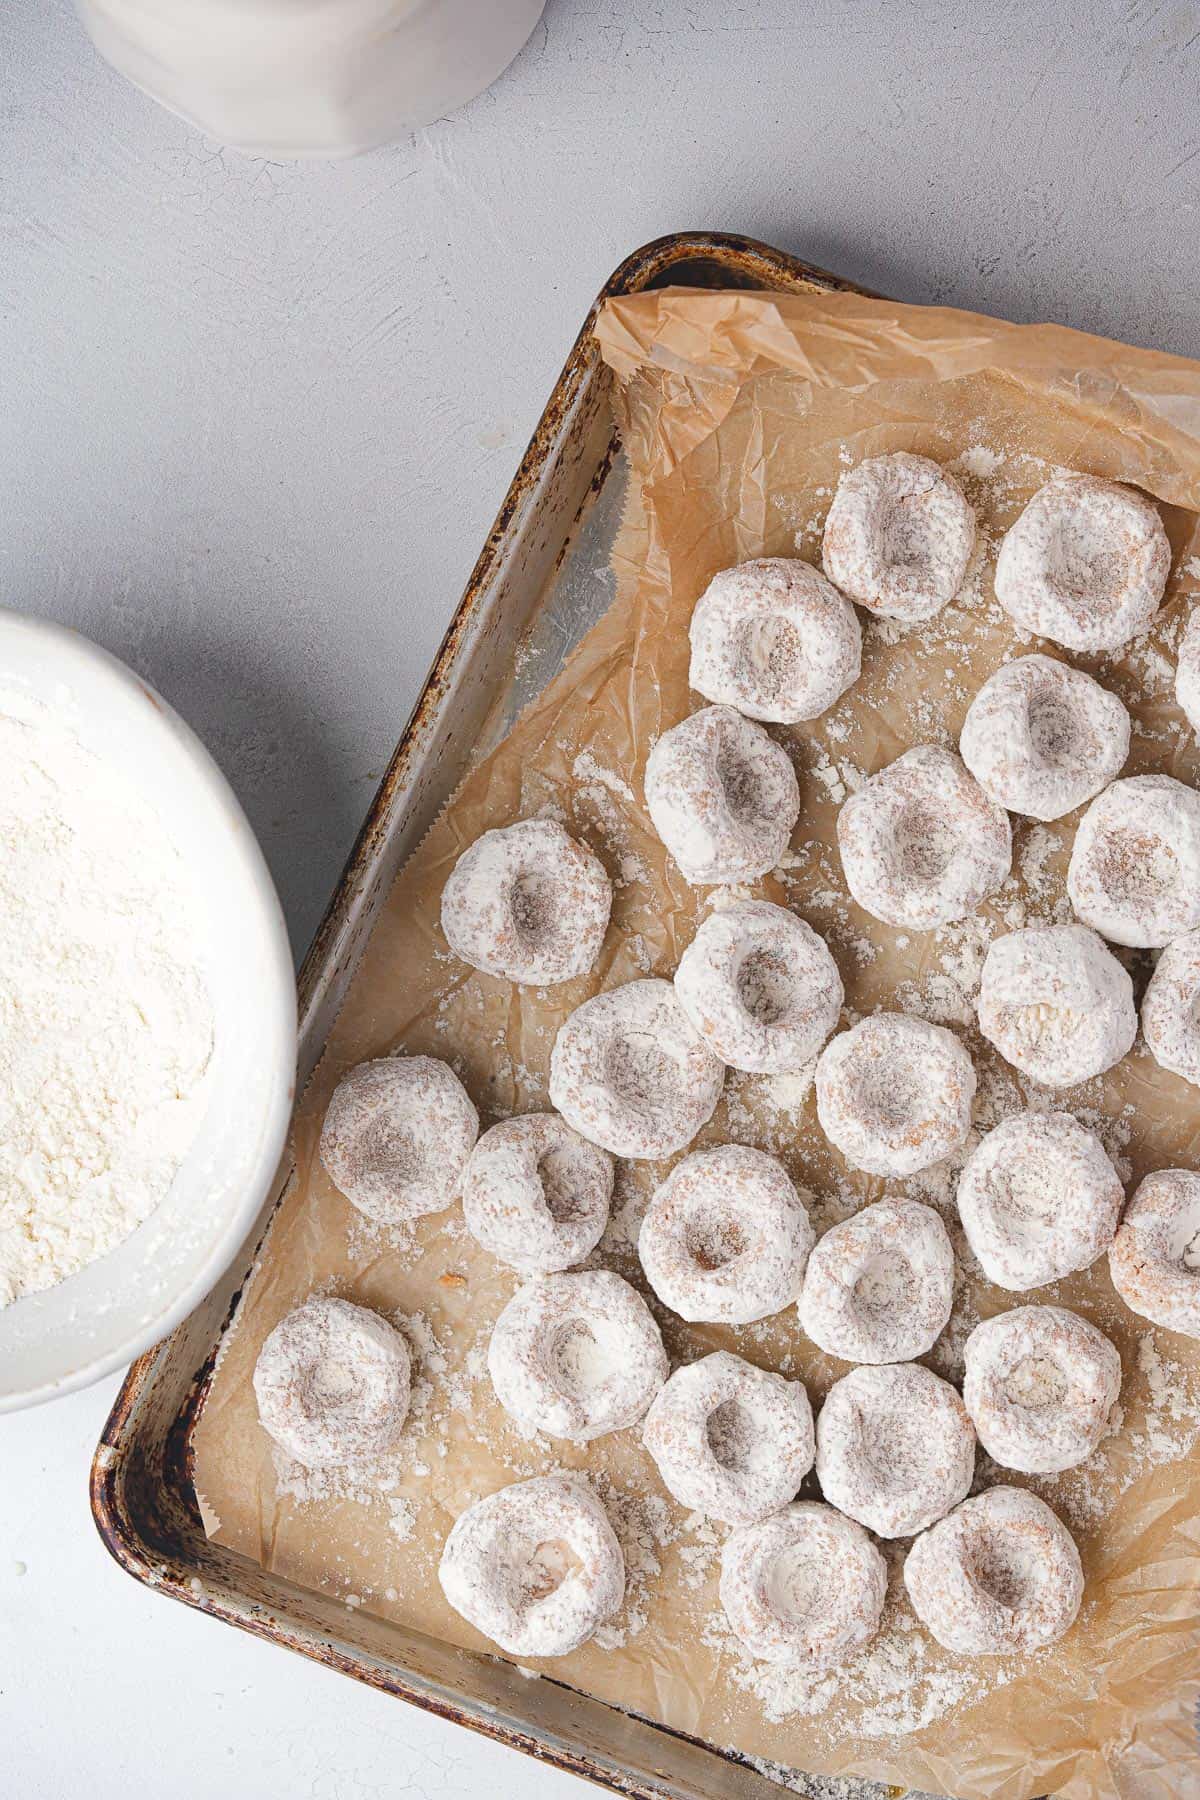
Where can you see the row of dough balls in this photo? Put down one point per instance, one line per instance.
(758, 990)
(579, 1355)
(928, 839)
(1085, 565)
(636, 1072)
(632, 1077)
(921, 844)
(725, 1238)
(893, 1446)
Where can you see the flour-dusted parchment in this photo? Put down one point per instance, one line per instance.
(105, 1022)
(738, 413)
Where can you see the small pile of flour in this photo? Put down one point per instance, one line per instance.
(105, 1023)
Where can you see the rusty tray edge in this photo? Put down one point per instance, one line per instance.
(749, 263)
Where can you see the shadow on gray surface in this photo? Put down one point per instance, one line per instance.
(998, 285)
(280, 757)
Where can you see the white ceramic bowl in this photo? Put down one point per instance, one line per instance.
(111, 1311)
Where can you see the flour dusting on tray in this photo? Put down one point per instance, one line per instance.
(739, 413)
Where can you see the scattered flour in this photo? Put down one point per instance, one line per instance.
(980, 461)
(721, 898)
(902, 1681)
(402, 1517)
(1156, 1423)
(586, 768)
(644, 1524)
(788, 1092)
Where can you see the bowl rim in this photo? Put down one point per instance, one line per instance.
(73, 650)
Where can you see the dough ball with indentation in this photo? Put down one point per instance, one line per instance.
(726, 1237)
(1042, 738)
(1000, 1577)
(1134, 874)
(1040, 1384)
(576, 1355)
(332, 1383)
(1085, 564)
(722, 796)
(921, 844)
(899, 536)
(1171, 1008)
(527, 903)
(879, 1287)
(760, 987)
(630, 1072)
(805, 1587)
(396, 1136)
(1187, 671)
(1038, 1199)
(895, 1448)
(894, 1094)
(536, 1567)
(1056, 1004)
(775, 640)
(536, 1194)
(1155, 1258)
(730, 1440)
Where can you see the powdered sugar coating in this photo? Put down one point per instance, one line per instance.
(879, 1287)
(894, 1094)
(630, 1072)
(895, 1448)
(1085, 564)
(1040, 1384)
(760, 987)
(576, 1355)
(1000, 1576)
(1042, 738)
(899, 536)
(722, 796)
(1056, 1004)
(726, 1237)
(502, 1566)
(1038, 1199)
(332, 1382)
(730, 1440)
(805, 1586)
(921, 844)
(1155, 1258)
(396, 1135)
(1171, 1008)
(775, 640)
(1134, 874)
(536, 1194)
(1187, 671)
(527, 903)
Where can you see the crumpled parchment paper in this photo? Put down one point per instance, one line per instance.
(738, 412)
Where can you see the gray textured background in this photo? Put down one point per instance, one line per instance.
(255, 419)
(254, 423)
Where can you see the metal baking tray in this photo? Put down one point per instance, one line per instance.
(541, 580)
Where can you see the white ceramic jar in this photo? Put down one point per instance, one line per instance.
(290, 78)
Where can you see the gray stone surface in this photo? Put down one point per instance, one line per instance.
(257, 418)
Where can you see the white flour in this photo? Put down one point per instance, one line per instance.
(105, 1022)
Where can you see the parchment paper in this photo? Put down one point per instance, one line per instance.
(738, 413)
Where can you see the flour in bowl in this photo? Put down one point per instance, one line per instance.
(105, 1021)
